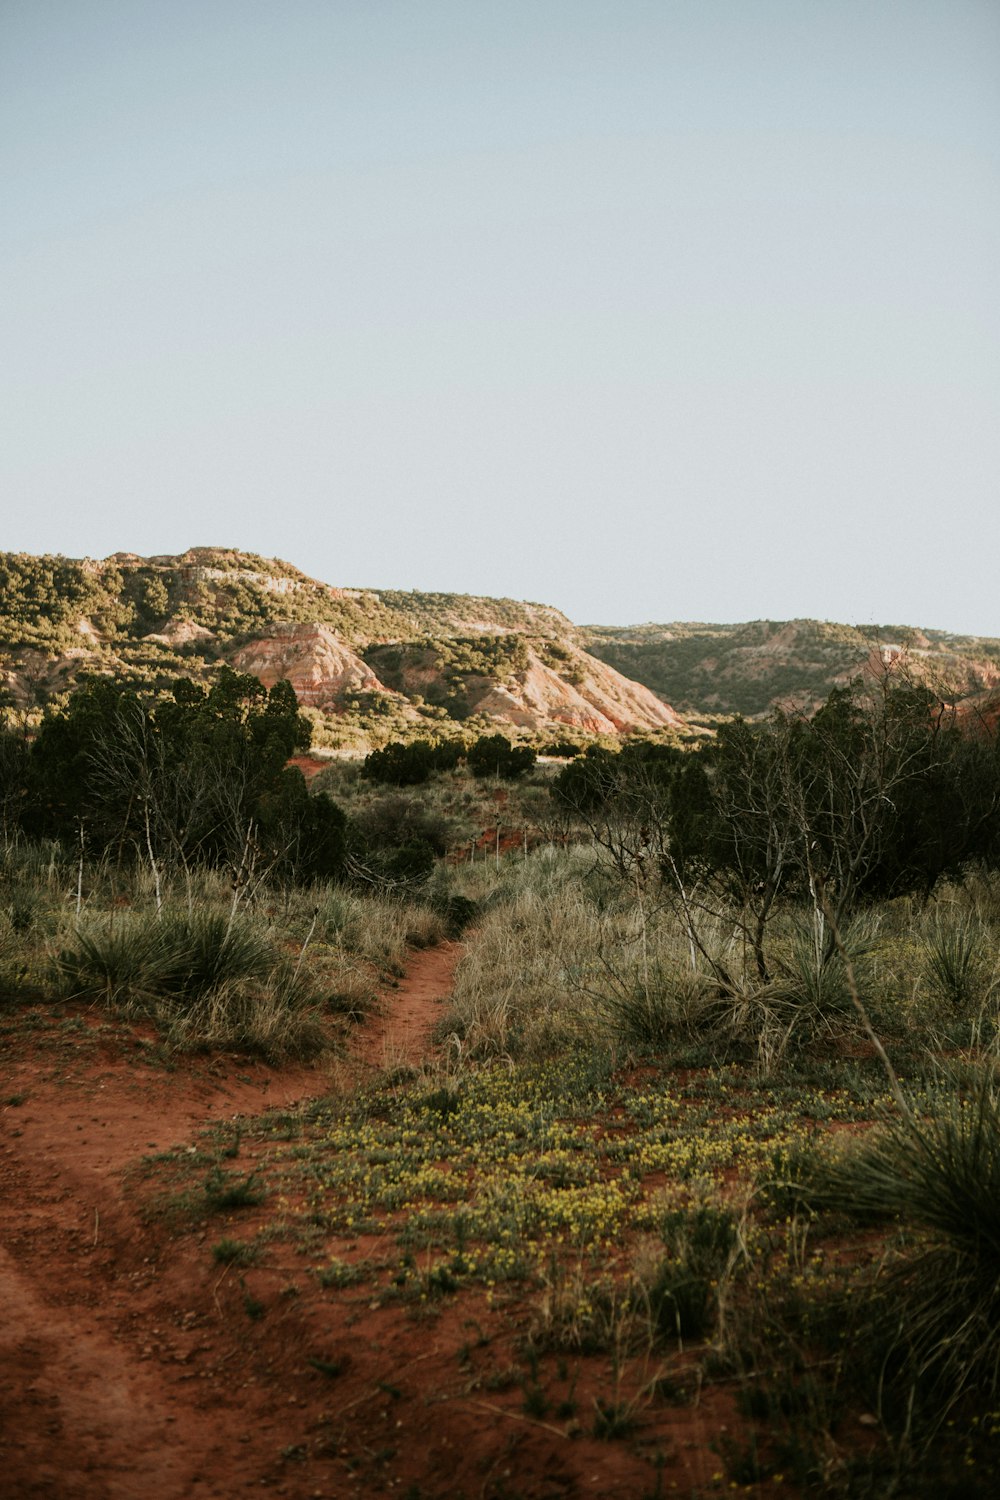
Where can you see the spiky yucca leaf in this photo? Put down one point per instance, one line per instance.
(119, 958)
(956, 958)
(939, 1169)
(203, 950)
(935, 1311)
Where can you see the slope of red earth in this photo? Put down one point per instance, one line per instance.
(133, 1363)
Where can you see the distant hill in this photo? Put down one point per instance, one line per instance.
(370, 665)
(706, 670)
(367, 665)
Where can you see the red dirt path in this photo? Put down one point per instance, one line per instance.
(129, 1366)
(402, 1033)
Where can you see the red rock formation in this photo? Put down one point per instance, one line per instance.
(598, 700)
(319, 666)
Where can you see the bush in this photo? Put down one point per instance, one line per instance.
(494, 755)
(399, 819)
(411, 765)
(409, 864)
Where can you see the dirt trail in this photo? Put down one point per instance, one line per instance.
(402, 1033)
(115, 1377)
(133, 1364)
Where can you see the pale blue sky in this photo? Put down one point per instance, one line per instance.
(677, 310)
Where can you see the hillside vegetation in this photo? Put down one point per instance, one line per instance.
(368, 667)
(707, 670)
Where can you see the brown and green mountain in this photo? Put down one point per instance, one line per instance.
(367, 665)
(706, 670)
(372, 665)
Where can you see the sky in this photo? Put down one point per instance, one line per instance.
(648, 309)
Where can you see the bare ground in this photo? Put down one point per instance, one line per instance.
(129, 1366)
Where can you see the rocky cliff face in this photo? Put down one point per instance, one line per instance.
(589, 696)
(321, 669)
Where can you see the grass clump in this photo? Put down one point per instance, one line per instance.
(210, 980)
(204, 950)
(230, 1252)
(649, 1008)
(379, 930)
(228, 1190)
(933, 1313)
(956, 958)
(119, 959)
(278, 1018)
(703, 1246)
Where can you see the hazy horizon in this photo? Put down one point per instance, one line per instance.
(651, 311)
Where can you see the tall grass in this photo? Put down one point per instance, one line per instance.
(279, 1016)
(378, 929)
(557, 958)
(521, 988)
(563, 952)
(207, 979)
(268, 977)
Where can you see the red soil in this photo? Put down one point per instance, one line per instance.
(402, 1033)
(309, 765)
(129, 1363)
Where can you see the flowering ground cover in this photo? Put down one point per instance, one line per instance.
(627, 1249)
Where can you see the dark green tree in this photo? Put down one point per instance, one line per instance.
(494, 755)
(199, 778)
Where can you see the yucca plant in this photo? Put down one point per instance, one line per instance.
(956, 958)
(202, 950)
(118, 958)
(816, 980)
(651, 1009)
(936, 1309)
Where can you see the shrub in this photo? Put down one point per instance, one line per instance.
(411, 765)
(494, 755)
(398, 819)
(408, 864)
(561, 750)
(458, 912)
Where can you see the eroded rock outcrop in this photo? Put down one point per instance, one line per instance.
(319, 666)
(587, 695)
